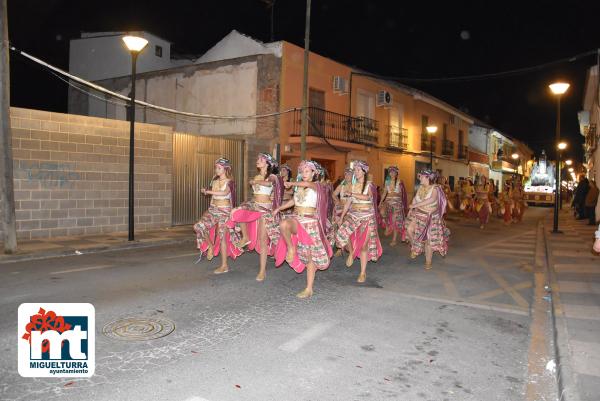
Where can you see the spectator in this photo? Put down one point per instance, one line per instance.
(579, 199)
(590, 203)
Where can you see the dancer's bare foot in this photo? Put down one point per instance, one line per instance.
(243, 242)
(338, 253)
(393, 243)
(362, 277)
(482, 226)
(427, 265)
(261, 275)
(349, 260)
(210, 253)
(305, 293)
(221, 270)
(413, 255)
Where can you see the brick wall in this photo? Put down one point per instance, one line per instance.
(71, 174)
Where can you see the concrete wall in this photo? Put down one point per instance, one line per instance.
(71, 174)
(478, 138)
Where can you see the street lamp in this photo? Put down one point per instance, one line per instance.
(558, 89)
(560, 146)
(568, 162)
(431, 130)
(515, 157)
(135, 45)
(571, 169)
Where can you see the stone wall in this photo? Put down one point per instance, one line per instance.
(71, 174)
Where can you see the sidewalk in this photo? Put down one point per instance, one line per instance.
(68, 246)
(576, 292)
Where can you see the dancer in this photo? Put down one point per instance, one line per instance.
(340, 195)
(285, 172)
(506, 203)
(358, 223)
(394, 206)
(258, 223)
(482, 203)
(519, 204)
(212, 228)
(426, 229)
(304, 244)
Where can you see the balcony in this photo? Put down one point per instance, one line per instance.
(397, 138)
(425, 144)
(463, 152)
(447, 148)
(339, 127)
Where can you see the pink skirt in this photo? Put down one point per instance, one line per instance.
(360, 227)
(250, 213)
(212, 228)
(310, 244)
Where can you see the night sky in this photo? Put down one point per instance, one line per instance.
(391, 38)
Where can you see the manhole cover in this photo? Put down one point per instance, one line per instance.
(138, 329)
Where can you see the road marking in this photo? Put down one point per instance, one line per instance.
(500, 291)
(578, 287)
(448, 284)
(491, 245)
(575, 254)
(577, 268)
(586, 312)
(82, 269)
(505, 285)
(304, 338)
(507, 251)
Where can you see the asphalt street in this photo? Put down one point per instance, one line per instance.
(460, 331)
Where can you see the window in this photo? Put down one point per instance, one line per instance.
(452, 119)
(158, 51)
(365, 104)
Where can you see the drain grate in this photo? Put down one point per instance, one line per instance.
(138, 329)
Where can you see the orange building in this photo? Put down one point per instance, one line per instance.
(353, 115)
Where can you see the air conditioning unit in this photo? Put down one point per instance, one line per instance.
(384, 99)
(340, 85)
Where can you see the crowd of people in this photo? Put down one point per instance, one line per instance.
(307, 220)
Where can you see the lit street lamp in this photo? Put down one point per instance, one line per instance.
(515, 157)
(568, 162)
(135, 45)
(431, 130)
(558, 89)
(561, 146)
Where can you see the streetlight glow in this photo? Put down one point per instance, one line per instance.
(134, 43)
(562, 145)
(515, 156)
(568, 162)
(431, 129)
(571, 169)
(559, 88)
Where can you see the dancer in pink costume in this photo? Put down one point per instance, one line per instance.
(285, 172)
(212, 228)
(305, 244)
(482, 208)
(394, 206)
(358, 222)
(426, 229)
(259, 225)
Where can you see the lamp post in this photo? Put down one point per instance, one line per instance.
(515, 157)
(431, 130)
(561, 146)
(135, 45)
(558, 89)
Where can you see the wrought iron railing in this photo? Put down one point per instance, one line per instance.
(448, 148)
(426, 145)
(397, 137)
(334, 126)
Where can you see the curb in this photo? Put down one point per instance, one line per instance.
(567, 387)
(100, 249)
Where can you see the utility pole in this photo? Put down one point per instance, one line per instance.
(304, 122)
(7, 210)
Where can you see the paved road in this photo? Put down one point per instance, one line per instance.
(457, 332)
